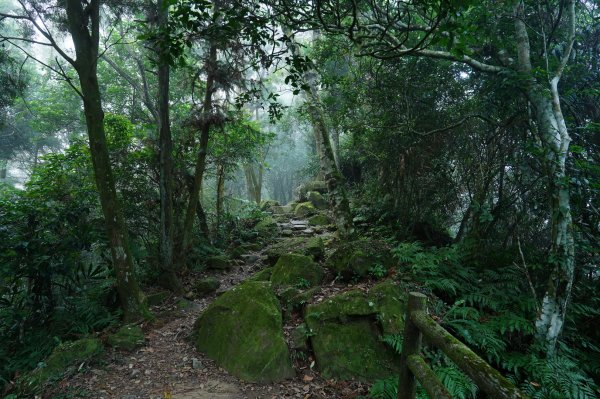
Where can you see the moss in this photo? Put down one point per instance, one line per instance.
(219, 262)
(312, 246)
(351, 350)
(263, 275)
(157, 298)
(127, 337)
(354, 259)
(390, 300)
(57, 364)
(206, 286)
(242, 331)
(267, 228)
(347, 332)
(304, 209)
(319, 220)
(183, 304)
(293, 269)
(316, 199)
(317, 185)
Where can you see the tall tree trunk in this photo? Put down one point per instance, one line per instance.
(201, 156)
(86, 48)
(338, 197)
(555, 140)
(165, 151)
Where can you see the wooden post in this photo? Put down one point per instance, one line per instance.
(411, 346)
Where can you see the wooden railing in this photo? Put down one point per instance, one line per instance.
(413, 366)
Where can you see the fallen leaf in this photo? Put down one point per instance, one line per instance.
(308, 378)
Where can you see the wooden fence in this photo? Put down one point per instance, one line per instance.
(413, 366)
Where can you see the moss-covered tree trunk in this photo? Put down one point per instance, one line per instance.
(84, 26)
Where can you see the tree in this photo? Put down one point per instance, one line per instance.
(83, 24)
(452, 31)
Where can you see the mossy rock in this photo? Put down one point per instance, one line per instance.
(267, 205)
(310, 246)
(219, 262)
(319, 220)
(263, 275)
(390, 300)
(346, 332)
(304, 209)
(282, 209)
(183, 304)
(206, 286)
(316, 199)
(317, 185)
(157, 298)
(242, 331)
(127, 337)
(355, 259)
(57, 364)
(295, 269)
(267, 228)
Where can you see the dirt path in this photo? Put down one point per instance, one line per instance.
(168, 366)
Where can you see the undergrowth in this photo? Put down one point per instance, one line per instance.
(491, 309)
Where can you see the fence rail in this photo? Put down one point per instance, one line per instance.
(413, 367)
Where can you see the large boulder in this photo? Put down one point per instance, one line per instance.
(267, 228)
(319, 220)
(305, 209)
(64, 356)
(357, 259)
(346, 331)
(316, 199)
(309, 246)
(267, 205)
(242, 331)
(296, 270)
(317, 185)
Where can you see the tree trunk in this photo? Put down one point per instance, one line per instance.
(201, 156)
(220, 198)
(86, 48)
(165, 151)
(555, 140)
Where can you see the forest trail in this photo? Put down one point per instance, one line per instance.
(168, 366)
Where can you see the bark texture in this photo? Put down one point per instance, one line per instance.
(84, 26)
(165, 155)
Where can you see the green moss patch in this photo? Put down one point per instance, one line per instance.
(242, 331)
(316, 199)
(356, 259)
(267, 228)
(312, 246)
(295, 269)
(58, 363)
(319, 220)
(263, 275)
(304, 209)
(346, 332)
(127, 337)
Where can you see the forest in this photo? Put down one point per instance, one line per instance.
(245, 198)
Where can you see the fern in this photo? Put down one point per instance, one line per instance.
(394, 341)
(456, 382)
